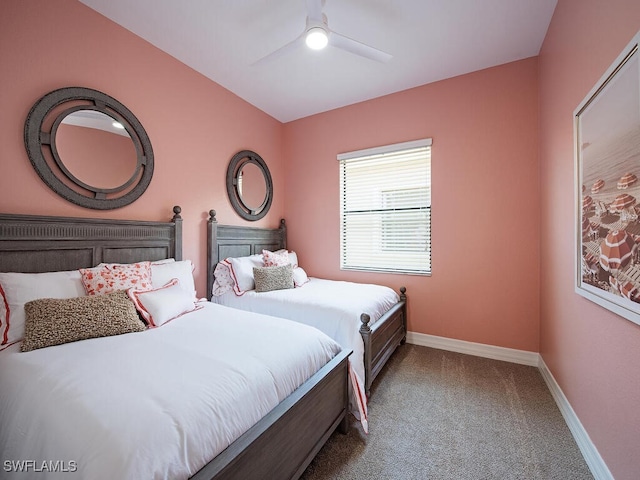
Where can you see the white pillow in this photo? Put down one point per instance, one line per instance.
(16, 289)
(242, 272)
(159, 306)
(163, 273)
(299, 277)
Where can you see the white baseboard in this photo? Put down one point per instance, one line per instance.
(596, 464)
(478, 349)
(589, 451)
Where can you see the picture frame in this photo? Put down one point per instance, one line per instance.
(607, 188)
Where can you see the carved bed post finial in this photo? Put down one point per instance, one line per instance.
(177, 243)
(365, 329)
(176, 213)
(403, 293)
(212, 216)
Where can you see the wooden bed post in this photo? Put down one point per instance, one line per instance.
(403, 298)
(365, 331)
(283, 230)
(212, 248)
(177, 247)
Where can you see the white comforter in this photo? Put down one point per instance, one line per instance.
(157, 404)
(332, 306)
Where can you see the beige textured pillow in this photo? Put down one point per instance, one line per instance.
(52, 321)
(273, 278)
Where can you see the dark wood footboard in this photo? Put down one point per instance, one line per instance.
(382, 338)
(284, 442)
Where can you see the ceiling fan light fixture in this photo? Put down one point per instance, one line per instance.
(317, 38)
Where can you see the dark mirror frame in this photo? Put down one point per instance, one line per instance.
(238, 161)
(57, 176)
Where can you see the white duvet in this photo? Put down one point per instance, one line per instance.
(157, 404)
(332, 306)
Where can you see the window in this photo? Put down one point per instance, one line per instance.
(385, 208)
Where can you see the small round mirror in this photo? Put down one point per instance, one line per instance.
(249, 185)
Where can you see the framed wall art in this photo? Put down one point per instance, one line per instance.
(607, 165)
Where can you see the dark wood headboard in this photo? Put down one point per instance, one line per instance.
(225, 241)
(33, 244)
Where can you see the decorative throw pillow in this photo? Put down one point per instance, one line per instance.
(16, 289)
(223, 282)
(109, 277)
(51, 321)
(273, 278)
(275, 259)
(160, 305)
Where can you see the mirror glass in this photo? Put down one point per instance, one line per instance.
(252, 186)
(96, 149)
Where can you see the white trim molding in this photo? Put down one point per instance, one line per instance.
(589, 451)
(592, 457)
(478, 349)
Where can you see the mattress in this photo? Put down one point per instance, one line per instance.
(157, 404)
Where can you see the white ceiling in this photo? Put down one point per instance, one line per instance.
(430, 40)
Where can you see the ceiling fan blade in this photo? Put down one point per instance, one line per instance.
(314, 10)
(287, 48)
(358, 48)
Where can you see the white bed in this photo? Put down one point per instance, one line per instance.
(333, 307)
(379, 336)
(132, 406)
(206, 392)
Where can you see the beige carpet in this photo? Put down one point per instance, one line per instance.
(435, 414)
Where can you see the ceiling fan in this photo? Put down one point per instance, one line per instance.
(317, 35)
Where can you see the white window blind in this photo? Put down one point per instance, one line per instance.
(385, 214)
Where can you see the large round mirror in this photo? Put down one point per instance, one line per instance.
(249, 185)
(89, 148)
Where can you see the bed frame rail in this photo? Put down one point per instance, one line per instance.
(381, 339)
(284, 450)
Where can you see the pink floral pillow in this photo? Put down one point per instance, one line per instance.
(224, 280)
(110, 277)
(275, 259)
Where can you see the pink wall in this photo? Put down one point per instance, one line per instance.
(502, 220)
(593, 354)
(195, 125)
(485, 199)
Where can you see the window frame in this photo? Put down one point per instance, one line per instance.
(391, 213)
